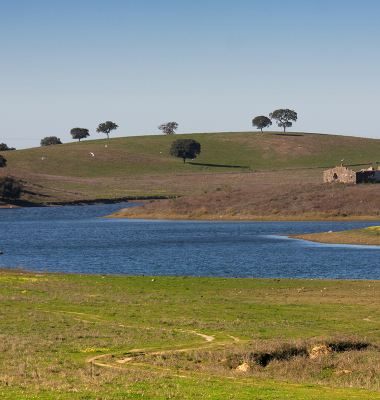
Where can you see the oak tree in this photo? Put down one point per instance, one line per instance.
(50, 141)
(284, 117)
(261, 122)
(4, 147)
(79, 133)
(185, 148)
(106, 127)
(168, 128)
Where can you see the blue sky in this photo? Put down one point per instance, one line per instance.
(208, 65)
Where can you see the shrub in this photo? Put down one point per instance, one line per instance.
(50, 140)
(10, 188)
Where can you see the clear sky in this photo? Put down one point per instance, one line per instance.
(209, 65)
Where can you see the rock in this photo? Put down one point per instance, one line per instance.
(243, 367)
(318, 351)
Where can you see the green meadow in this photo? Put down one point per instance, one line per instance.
(221, 152)
(127, 337)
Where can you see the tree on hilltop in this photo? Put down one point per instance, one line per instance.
(79, 133)
(106, 127)
(50, 141)
(261, 122)
(284, 117)
(185, 148)
(169, 128)
(4, 147)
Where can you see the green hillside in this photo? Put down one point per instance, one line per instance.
(141, 166)
(221, 152)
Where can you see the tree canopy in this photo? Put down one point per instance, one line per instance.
(169, 128)
(9, 188)
(261, 122)
(51, 140)
(106, 127)
(185, 148)
(284, 117)
(4, 147)
(3, 162)
(79, 133)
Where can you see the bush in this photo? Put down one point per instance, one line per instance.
(10, 188)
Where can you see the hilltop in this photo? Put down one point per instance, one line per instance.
(271, 173)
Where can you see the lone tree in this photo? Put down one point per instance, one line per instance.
(185, 148)
(106, 127)
(283, 117)
(79, 133)
(261, 122)
(3, 162)
(9, 188)
(50, 141)
(4, 147)
(169, 128)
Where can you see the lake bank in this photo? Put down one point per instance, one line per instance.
(268, 202)
(203, 215)
(367, 236)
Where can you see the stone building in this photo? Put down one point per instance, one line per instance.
(344, 175)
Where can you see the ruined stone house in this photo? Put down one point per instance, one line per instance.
(344, 175)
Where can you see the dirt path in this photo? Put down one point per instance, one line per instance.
(143, 352)
(137, 354)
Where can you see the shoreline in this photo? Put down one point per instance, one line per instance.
(199, 216)
(193, 216)
(362, 237)
(20, 272)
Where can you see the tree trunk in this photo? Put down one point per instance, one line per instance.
(184, 160)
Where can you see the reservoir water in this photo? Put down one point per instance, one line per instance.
(78, 240)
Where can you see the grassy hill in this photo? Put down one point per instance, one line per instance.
(221, 152)
(141, 166)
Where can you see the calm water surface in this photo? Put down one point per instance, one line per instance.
(76, 239)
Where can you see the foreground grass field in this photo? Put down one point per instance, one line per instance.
(122, 337)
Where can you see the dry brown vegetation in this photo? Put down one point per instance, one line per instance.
(270, 195)
(348, 361)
